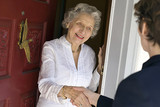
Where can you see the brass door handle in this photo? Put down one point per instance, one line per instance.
(23, 42)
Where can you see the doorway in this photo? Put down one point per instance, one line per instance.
(101, 38)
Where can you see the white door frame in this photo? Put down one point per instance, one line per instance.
(121, 47)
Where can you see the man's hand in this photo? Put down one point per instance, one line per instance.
(91, 96)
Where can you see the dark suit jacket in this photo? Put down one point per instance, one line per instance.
(141, 89)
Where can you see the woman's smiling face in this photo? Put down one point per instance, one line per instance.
(80, 29)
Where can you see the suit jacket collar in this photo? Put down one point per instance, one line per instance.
(151, 61)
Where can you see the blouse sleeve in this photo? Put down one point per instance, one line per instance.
(94, 81)
(95, 76)
(47, 87)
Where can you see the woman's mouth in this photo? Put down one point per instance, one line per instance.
(79, 36)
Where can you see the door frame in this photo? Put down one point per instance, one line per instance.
(122, 44)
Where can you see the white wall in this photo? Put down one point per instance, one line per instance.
(122, 45)
(141, 57)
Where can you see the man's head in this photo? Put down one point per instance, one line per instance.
(148, 12)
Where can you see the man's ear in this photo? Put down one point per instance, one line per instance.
(144, 30)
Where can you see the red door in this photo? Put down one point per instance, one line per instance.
(18, 76)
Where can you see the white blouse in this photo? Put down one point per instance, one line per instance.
(58, 69)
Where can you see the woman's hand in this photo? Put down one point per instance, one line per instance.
(81, 101)
(87, 98)
(68, 92)
(100, 59)
(77, 97)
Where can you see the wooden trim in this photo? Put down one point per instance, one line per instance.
(108, 9)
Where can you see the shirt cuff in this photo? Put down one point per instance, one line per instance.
(60, 99)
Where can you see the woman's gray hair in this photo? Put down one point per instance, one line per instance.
(83, 8)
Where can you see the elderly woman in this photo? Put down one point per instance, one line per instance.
(141, 89)
(67, 61)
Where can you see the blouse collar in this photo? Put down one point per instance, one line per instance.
(66, 43)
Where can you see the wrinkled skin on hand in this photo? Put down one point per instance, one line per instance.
(70, 92)
(86, 98)
(81, 101)
(100, 59)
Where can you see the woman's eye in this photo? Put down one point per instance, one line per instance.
(88, 28)
(79, 24)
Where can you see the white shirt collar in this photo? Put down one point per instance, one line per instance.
(66, 43)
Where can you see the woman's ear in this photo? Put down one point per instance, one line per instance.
(144, 30)
(67, 25)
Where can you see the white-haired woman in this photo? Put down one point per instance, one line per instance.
(67, 61)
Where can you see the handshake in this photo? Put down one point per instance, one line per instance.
(81, 97)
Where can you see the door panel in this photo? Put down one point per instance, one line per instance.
(18, 77)
(5, 46)
(36, 34)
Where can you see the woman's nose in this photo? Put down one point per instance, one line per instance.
(83, 30)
